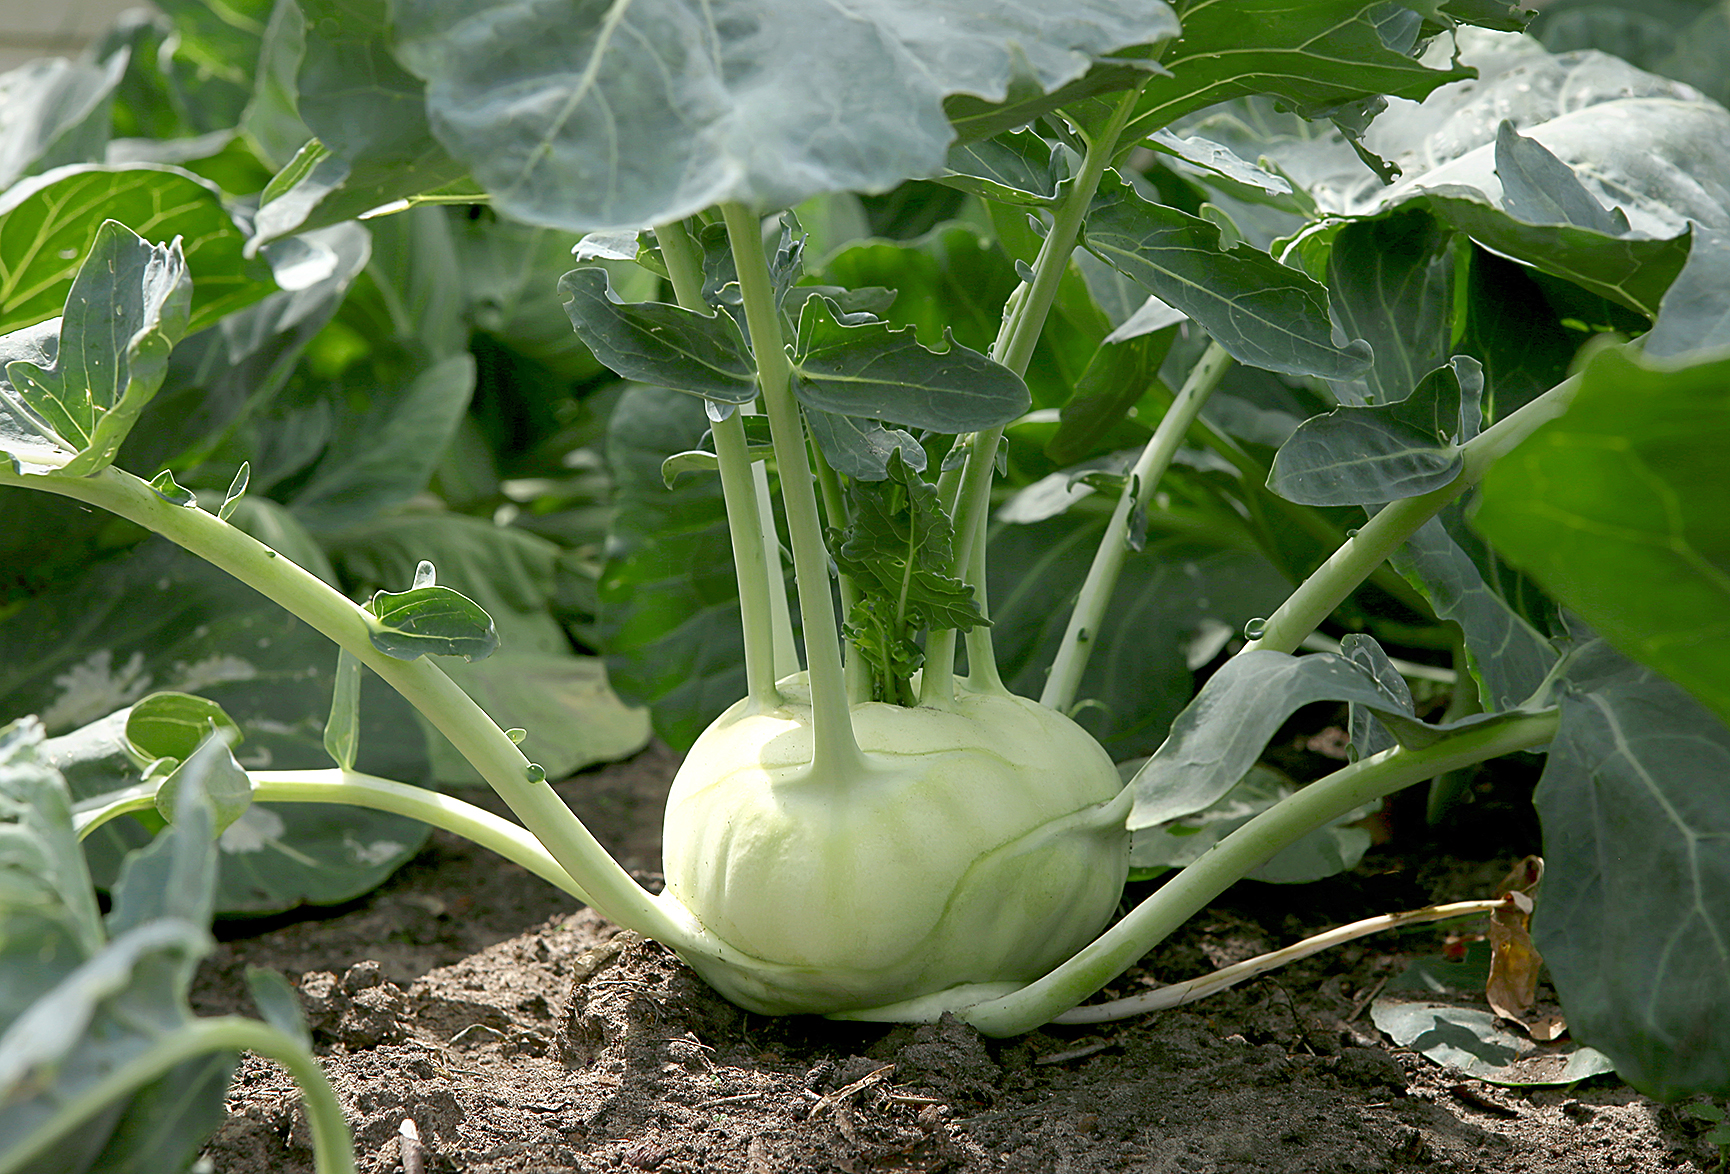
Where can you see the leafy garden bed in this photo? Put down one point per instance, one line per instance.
(1096, 496)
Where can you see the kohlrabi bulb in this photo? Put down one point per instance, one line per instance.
(975, 847)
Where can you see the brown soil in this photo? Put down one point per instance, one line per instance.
(467, 1004)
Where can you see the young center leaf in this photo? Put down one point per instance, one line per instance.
(127, 308)
(427, 619)
(873, 371)
(898, 551)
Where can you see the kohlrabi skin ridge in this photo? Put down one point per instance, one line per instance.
(977, 845)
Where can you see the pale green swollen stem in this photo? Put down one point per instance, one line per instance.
(1084, 622)
(425, 686)
(1315, 599)
(744, 525)
(836, 750)
(1255, 842)
(332, 1148)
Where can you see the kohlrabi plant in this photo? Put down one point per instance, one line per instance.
(1049, 348)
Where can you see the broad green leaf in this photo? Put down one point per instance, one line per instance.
(159, 619)
(1325, 852)
(766, 102)
(1219, 159)
(1390, 282)
(227, 787)
(665, 345)
(669, 601)
(1368, 735)
(1386, 451)
(219, 379)
(57, 112)
(216, 48)
(1694, 315)
(435, 620)
(49, 922)
(1216, 740)
(49, 223)
(173, 725)
(1539, 188)
(1315, 57)
(1513, 331)
(1616, 510)
(1633, 919)
(874, 371)
(386, 456)
(1509, 656)
(174, 876)
(1633, 141)
(1174, 601)
(127, 308)
(1263, 313)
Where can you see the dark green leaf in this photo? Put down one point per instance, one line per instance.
(1175, 604)
(733, 111)
(127, 308)
(1390, 282)
(873, 371)
(220, 381)
(278, 1003)
(1508, 655)
(386, 456)
(1314, 56)
(1015, 168)
(432, 620)
(508, 272)
(49, 224)
(156, 619)
(669, 600)
(1216, 740)
(173, 725)
(1633, 919)
(1262, 312)
(1119, 375)
(660, 344)
(1368, 735)
(1383, 452)
(1616, 510)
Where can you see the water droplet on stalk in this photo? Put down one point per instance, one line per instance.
(516, 735)
(536, 773)
(1254, 629)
